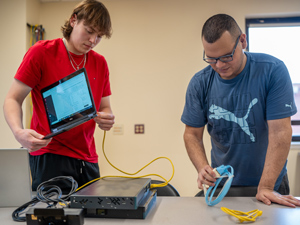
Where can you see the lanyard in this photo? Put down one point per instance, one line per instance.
(221, 171)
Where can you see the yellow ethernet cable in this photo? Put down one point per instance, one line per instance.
(243, 216)
(130, 175)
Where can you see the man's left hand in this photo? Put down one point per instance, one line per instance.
(268, 196)
(105, 120)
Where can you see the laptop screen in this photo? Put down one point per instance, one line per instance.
(68, 99)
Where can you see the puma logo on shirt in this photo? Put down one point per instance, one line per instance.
(218, 113)
(287, 105)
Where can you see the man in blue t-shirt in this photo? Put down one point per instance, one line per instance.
(246, 101)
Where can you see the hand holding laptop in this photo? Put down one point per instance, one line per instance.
(31, 140)
(105, 120)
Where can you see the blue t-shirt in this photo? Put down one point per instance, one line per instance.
(236, 113)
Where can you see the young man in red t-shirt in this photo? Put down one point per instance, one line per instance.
(72, 153)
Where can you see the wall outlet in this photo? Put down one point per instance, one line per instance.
(139, 128)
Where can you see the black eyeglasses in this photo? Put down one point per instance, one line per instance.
(224, 58)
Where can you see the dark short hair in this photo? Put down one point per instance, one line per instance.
(216, 25)
(94, 14)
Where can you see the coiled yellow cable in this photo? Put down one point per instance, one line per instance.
(131, 174)
(243, 216)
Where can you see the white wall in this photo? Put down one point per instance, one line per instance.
(12, 49)
(154, 51)
(293, 168)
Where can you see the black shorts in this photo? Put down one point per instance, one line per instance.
(284, 188)
(47, 166)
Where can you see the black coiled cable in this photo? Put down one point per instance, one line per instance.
(45, 193)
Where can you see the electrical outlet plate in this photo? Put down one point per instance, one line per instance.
(139, 128)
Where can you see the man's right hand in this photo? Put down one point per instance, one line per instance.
(206, 176)
(31, 140)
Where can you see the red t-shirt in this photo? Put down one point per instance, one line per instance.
(45, 63)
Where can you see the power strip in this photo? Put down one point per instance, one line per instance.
(62, 216)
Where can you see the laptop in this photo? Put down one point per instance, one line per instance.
(15, 181)
(68, 102)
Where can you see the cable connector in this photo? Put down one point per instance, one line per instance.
(221, 170)
(218, 175)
